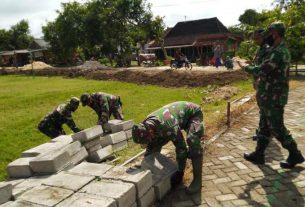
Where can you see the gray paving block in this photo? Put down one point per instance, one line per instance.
(88, 134)
(159, 164)
(63, 138)
(50, 163)
(86, 168)
(123, 126)
(13, 181)
(147, 199)
(134, 205)
(6, 192)
(128, 133)
(20, 168)
(142, 179)
(162, 169)
(68, 181)
(113, 138)
(87, 200)
(45, 195)
(79, 156)
(119, 146)
(21, 204)
(26, 185)
(92, 142)
(43, 149)
(100, 154)
(72, 148)
(111, 123)
(123, 193)
(94, 148)
(161, 186)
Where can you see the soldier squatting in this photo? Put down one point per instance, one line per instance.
(270, 70)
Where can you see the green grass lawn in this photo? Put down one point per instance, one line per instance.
(24, 100)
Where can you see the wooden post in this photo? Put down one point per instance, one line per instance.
(228, 113)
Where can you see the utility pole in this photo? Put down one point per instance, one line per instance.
(185, 18)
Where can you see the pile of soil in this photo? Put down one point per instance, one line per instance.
(221, 93)
(36, 65)
(92, 65)
(166, 78)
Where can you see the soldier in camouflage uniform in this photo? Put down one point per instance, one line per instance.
(272, 95)
(261, 52)
(51, 124)
(104, 105)
(165, 125)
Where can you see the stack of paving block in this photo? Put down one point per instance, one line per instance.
(48, 158)
(90, 139)
(142, 179)
(162, 168)
(118, 126)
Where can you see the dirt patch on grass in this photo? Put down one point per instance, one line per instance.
(167, 78)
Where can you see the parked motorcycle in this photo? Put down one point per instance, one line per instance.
(183, 63)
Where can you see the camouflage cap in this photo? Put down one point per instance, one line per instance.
(74, 101)
(85, 99)
(278, 26)
(139, 133)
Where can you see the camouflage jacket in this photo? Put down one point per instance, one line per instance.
(59, 116)
(169, 120)
(273, 73)
(103, 104)
(260, 54)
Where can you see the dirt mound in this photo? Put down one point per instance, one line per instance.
(36, 65)
(220, 93)
(92, 65)
(167, 78)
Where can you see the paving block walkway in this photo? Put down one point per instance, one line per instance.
(229, 180)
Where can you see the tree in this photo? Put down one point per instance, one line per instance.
(249, 17)
(17, 37)
(65, 34)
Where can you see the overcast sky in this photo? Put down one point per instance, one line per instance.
(38, 12)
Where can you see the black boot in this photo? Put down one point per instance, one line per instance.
(176, 178)
(196, 184)
(295, 156)
(258, 156)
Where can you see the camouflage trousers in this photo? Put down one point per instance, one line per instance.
(50, 129)
(272, 123)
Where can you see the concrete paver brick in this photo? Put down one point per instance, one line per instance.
(113, 138)
(88, 134)
(26, 185)
(222, 180)
(147, 199)
(94, 169)
(68, 181)
(142, 179)
(92, 142)
(119, 146)
(6, 192)
(45, 195)
(50, 163)
(123, 193)
(123, 126)
(240, 165)
(79, 156)
(63, 138)
(43, 149)
(87, 200)
(100, 154)
(128, 133)
(111, 123)
(20, 168)
(226, 197)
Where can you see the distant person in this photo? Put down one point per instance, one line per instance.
(51, 124)
(104, 105)
(179, 57)
(228, 63)
(165, 125)
(217, 56)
